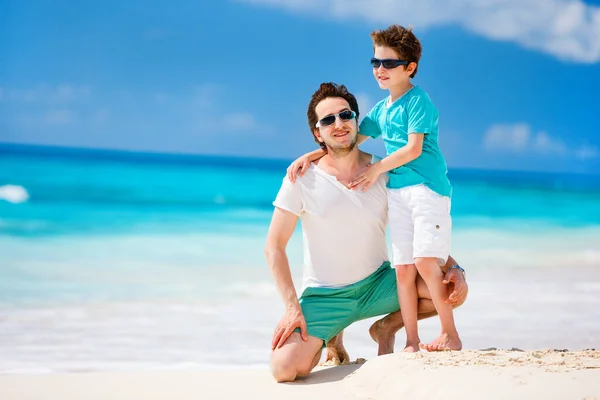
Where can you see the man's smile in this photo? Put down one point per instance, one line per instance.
(341, 134)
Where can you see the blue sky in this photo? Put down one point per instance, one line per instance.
(516, 85)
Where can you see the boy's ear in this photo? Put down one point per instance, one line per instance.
(411, 67)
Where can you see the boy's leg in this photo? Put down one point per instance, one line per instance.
(431, 249)
(406, 276)
(432, 275)
(402, 235)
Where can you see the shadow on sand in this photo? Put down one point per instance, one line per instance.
(327, 374)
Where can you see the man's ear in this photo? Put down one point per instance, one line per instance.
(318, 135)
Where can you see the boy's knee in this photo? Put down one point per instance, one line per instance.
(406, 273)
(427, 267)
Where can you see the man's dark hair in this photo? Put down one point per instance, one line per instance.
(326, 90)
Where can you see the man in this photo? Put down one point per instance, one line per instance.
(347, 275)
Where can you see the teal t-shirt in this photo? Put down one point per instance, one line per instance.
(412, 113)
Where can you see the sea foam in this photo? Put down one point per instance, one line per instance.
(13, 194)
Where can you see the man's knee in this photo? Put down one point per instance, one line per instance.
(287, 370)
(303, 370)
(283, 370)
(295, 358)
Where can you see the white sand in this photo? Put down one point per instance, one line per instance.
(484, 374)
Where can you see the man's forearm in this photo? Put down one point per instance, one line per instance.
(450, 263)
(280, 269)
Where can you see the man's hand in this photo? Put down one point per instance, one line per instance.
(367, 178)
(292, 319)
(458, 286)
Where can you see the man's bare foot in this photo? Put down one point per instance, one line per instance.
(336, 354)
(443, 343)
(382, 334)
(412, 347)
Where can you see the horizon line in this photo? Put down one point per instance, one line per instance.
(155, 155)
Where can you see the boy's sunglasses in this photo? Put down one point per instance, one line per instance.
(345, 115)
(388, 63)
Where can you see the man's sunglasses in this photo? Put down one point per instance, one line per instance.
(388, 63)
(345, 115)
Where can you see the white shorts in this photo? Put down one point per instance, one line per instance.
(420, 224)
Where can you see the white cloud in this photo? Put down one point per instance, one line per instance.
(507, 137)
(207, 103)
(45, 94)
(238, 122)
(233, 123)
(160, 98)
(155, 34)
(544, 143)
(520, 138)
(100, 118)
(567, 29)
(58, 117)
(587, 152)
(205, 96)
(45, 119)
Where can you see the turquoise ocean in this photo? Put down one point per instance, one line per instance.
(120, 260)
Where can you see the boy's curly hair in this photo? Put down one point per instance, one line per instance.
(402, 40)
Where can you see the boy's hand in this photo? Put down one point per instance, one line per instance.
(367, 178)
(298, 167)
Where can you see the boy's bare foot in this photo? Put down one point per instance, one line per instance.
(336, 353)
(382, 334)
(444, 342)
(412, 347)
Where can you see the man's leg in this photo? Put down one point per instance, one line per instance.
(295, 358)
(327, 312)
(336, 353)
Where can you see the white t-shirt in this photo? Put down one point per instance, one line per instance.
(343, 230)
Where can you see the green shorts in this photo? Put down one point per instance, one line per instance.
(328, 311)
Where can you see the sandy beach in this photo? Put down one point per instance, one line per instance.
(481, 374)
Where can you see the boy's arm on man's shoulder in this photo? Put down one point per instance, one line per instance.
(404, 155)
(300, 165)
